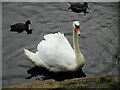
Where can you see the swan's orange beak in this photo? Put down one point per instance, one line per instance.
(78, 31)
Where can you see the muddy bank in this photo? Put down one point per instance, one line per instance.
(76, 83)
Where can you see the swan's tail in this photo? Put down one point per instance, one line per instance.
(32, 56)
(29, 54)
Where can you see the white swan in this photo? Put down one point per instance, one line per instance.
(56, 54)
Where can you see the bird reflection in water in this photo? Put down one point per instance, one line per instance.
(58, 76)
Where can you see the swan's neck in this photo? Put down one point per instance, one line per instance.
(78, 55)
(75, 42)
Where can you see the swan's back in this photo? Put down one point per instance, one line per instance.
(56, 52)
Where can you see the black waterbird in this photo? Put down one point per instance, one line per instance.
(20, 27)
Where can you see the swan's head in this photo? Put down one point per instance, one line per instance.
(76, 26)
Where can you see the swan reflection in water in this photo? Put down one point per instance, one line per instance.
(58, 76)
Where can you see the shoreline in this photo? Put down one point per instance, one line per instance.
(75, 83)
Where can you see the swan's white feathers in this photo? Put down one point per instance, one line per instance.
(56, 51)
(33, 57)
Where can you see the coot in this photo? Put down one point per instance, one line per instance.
(20, 27)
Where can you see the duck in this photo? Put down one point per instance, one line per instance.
(56, 54)
(78, 7)
(20, 27)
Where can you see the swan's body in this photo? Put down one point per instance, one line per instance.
(56, 54)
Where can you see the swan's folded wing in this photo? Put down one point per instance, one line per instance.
(56, 50)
